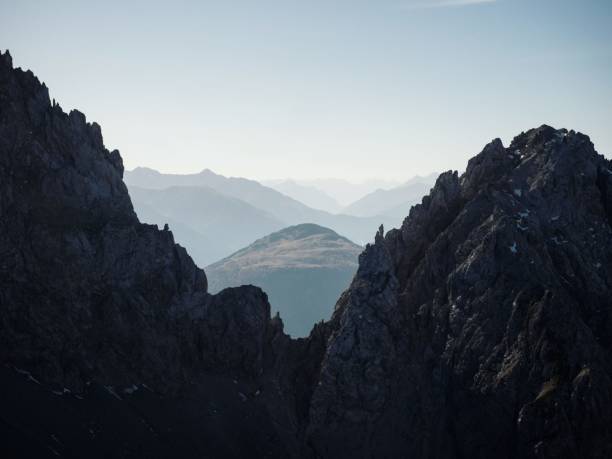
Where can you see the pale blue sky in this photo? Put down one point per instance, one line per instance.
(350, 89)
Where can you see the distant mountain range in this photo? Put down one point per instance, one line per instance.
(210, 224)
(395, 202)
(342, 191)
(250, 208)
(303, 269)
(306, 194)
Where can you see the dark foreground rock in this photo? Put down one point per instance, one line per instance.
(481, 328)
(110, 344)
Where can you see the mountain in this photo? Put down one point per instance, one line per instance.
(346, 192)
(309, 195)
(209, 224)
(303, 269)
(286, 210)
(481, 328)
(395, 202)
(110, 345)
(277, 204)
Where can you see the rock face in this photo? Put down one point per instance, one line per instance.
(90, 298)
(303, 269)
(481, 328)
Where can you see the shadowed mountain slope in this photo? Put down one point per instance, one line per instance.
(110, 345)
(483, 326)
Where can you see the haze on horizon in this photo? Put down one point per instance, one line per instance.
(346, 89)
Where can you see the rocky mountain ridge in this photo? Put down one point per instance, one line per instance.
(104, 318)
(480, 328)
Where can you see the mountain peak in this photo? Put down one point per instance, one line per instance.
(492, 300)
(5, 59)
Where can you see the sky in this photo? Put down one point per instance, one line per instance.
(356, 90)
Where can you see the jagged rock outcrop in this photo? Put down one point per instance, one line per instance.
(480, 328)
(91, 298)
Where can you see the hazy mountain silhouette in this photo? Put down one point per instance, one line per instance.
(347, 192)
(395, 202)
(209, 224)
(303, 269)
(286, 210)
(306, 194)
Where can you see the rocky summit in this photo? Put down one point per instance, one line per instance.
(480, 328)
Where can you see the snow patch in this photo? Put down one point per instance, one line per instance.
(28, 374)
(65, 390)
(518, 192)
(111, 390)
(130, 390)
(513, 248)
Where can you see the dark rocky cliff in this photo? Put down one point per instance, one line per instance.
(93, 302)
(481, 328)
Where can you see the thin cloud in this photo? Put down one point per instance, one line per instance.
(444, 3)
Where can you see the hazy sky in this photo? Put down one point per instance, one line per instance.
(351, 89)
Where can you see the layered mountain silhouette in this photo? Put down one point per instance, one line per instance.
(276, 206)
(303, 269)
(394, 202)
(309, 195)
(481, 328)
(345, 191)
(209, 224)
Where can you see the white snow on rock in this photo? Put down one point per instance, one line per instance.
(513, 248)
(130, 390)
(28, 374)
(111, 390)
